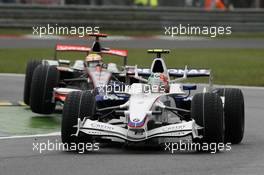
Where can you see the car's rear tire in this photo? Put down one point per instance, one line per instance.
(31, 66)
(44, 79)
(234, 112)
(207, 111)
(78, 104)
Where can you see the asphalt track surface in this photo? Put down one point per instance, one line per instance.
(11, 87)
(169, 43)
(17, 155)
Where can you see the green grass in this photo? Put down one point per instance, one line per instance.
(20, 121)
(15, 31)
(230, 66)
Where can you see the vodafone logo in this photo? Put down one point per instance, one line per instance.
(116, 52)
(72, 48)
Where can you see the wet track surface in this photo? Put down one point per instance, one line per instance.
(11, 87)
(18, 157)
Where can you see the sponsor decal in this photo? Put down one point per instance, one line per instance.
(72, 48)
(102, 126)
(136, 120)
(174, 128)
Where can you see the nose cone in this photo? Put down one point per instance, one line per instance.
(139, 107)
(136, 122)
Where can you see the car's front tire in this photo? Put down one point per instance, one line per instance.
(31, 66)
(44, 79)
(207, 111)
(78, 104)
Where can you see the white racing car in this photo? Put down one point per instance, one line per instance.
(157, 110)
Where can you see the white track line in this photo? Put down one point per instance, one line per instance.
(44, 37)
(31, 136)
(182, 38)
(11, 75)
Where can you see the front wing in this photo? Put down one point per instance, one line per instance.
(100, 129)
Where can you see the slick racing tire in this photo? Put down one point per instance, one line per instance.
(207, 111)
(44, 79)
(234, 111)
(31, 66)
(78, 104)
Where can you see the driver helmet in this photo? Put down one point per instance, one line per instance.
(158, 82)
(93, 60)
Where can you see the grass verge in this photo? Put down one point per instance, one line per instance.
(230, 66)
(21, 121)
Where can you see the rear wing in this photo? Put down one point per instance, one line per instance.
(172, 72)
(80, 48)
(190, 72)
(117, 52)
(70, 48)
(176, 73)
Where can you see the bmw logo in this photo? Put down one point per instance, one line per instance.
(136, 120)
